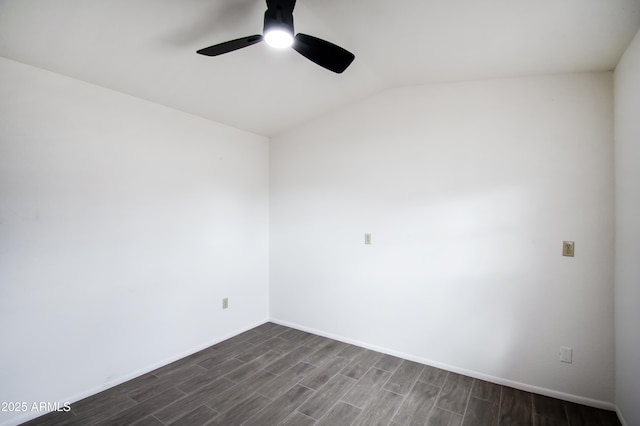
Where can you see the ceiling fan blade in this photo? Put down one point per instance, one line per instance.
(230, 46)
(323, 53)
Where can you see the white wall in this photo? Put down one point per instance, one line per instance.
(122, 226)
(468, 190)
(627, 267)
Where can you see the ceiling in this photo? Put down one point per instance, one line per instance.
(146, 48)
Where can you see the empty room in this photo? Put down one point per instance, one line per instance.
(322, 212)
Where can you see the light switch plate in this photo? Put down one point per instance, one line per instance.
(566, 354)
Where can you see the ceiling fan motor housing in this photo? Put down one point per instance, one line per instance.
(278, 18)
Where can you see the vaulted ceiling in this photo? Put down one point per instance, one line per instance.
(146, 48)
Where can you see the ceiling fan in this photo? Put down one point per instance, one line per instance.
(278, 33)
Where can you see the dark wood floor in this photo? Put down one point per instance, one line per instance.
(275, 375)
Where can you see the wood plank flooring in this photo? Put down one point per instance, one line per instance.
(275, 375)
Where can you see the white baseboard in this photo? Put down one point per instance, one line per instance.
(621, 417)
(117, 381)
(477, 375)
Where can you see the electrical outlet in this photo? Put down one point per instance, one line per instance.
(568, 248)
(566, 354)
(367, 239)
(225, 303)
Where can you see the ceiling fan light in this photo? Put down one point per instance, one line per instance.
(278, 38)
(278, 24)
